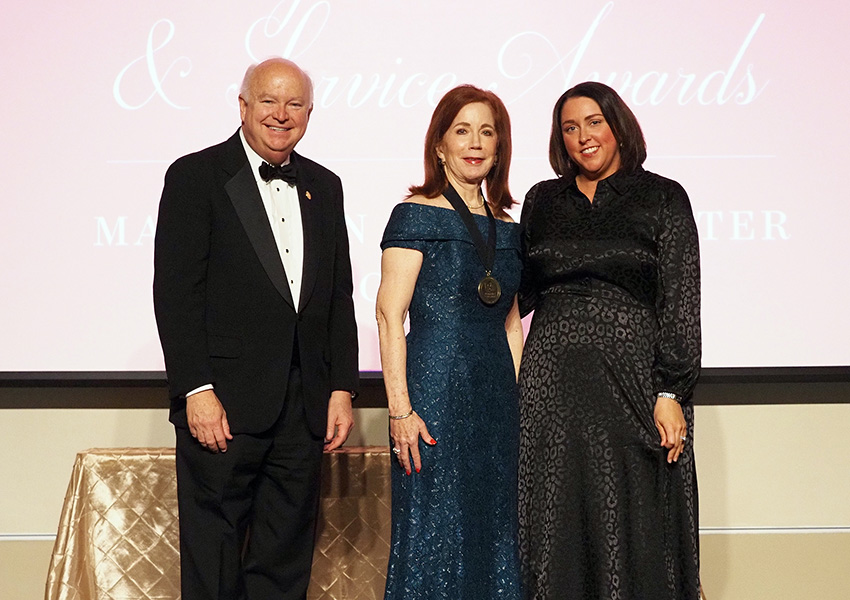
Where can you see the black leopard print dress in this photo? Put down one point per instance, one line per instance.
(615, 289)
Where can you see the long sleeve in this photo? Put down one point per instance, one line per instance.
(678, 355)
(528, 283)
(180, 278)
(344, 370)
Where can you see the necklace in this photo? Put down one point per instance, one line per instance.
(476, 206)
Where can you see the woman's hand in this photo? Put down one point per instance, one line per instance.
(672, 426)
(405, 434)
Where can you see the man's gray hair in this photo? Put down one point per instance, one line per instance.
(245, 89)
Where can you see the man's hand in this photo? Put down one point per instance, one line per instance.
(340, 419)
(208, 421)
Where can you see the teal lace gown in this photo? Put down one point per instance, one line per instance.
(454, 524)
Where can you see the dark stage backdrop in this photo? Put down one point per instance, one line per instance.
(743, 102)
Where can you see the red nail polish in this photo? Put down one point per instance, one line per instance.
(417, 469)
(433, 441)
(406, 472)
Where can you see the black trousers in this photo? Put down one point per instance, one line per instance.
(248, 515)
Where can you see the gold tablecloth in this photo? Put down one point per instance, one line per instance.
(118, 533)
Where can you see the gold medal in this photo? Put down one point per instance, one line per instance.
(489, 290)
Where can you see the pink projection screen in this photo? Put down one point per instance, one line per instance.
(743, 102)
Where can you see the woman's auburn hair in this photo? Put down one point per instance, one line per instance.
(498, 194)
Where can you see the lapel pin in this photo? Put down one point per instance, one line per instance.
(309, 197)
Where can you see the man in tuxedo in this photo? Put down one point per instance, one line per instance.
(253, 302)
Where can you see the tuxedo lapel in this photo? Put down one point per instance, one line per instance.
(308, 197)
(243, 193)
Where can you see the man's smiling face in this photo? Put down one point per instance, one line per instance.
(275, 109)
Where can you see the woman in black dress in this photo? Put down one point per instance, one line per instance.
(607, 482)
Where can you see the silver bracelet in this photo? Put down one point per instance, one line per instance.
(670, 395)
(404, 416)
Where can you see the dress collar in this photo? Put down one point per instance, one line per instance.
(619, 182)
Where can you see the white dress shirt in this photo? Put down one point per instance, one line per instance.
(284, 211)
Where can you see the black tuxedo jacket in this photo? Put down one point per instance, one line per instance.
(222, 301)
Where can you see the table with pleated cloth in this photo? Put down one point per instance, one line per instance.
(118, 533)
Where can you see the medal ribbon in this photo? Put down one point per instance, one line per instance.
(486, 252)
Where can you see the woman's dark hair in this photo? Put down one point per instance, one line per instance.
(619, 117)
(498, 194)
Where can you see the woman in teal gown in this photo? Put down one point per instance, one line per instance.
(451, 383)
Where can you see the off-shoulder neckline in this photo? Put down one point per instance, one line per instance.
(448, 208)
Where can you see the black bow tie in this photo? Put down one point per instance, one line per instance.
(287, 172)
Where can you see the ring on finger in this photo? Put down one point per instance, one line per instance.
(396, 450)
(684, 438)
